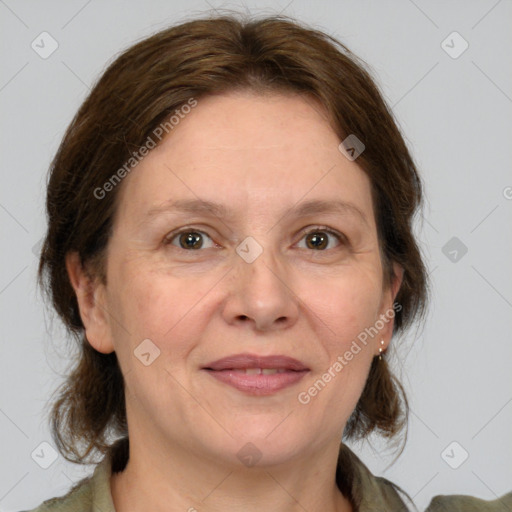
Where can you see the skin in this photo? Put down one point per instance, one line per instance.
(259, 156)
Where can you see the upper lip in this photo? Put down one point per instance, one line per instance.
(246, 361)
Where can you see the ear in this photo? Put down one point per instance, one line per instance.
(91, 295)
(387, 313)
(398, 275)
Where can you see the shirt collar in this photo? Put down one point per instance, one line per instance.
(367, 492)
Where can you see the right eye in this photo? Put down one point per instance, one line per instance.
(188, 239)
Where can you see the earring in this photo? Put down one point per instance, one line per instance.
(381, 350)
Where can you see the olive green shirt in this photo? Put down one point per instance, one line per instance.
(368, 493)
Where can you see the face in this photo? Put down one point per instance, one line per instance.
(286, 264)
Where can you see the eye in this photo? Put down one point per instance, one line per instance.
(188, 239)
(319, 239)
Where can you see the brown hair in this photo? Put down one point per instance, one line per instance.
(143, 87)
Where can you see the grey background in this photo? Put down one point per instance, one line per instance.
(456, 114)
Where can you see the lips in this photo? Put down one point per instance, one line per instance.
(248, 361)
(257, 375)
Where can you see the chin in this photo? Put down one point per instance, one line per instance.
(267, 444)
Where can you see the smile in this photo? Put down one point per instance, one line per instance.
(257, 374)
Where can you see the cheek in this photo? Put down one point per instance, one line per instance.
(347, 305)
(346, 309)
(159, 306)
(170, 313)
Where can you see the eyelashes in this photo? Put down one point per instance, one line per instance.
(318, 239)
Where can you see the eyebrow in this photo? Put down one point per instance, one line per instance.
(201, 206)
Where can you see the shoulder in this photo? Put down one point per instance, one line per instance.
(370, 492)
(88, 495)
(77, 499)
(462, 503)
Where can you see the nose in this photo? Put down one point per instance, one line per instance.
(261, 295)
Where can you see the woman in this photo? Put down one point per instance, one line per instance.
(233, 206)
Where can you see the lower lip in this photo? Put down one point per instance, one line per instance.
(258, 384)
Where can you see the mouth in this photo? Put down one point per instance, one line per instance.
(257, 375)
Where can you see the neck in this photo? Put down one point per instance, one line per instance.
(176, 479)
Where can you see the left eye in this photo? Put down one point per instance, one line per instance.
(318, 239)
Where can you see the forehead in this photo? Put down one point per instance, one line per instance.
(246, 120)
(249, 152)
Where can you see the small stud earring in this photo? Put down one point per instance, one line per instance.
(381, 350)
